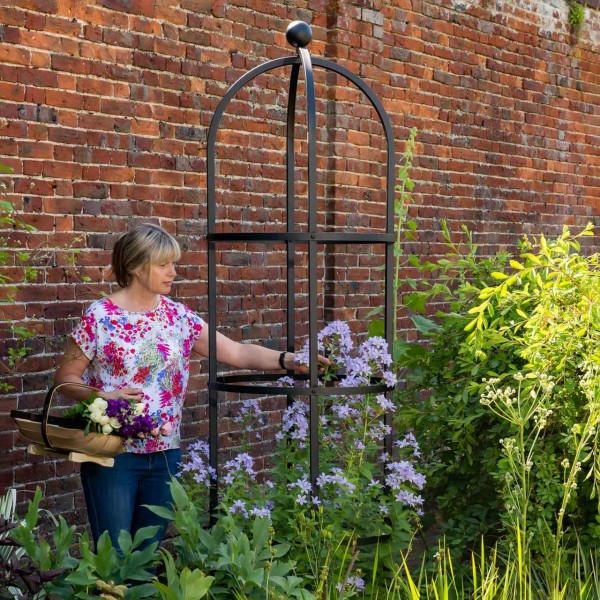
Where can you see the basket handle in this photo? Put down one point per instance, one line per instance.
(46, 409)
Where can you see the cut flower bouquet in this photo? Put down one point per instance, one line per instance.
(126, 418)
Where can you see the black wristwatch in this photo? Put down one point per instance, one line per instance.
(282, 361)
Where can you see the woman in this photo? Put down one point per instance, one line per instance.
(136, 344)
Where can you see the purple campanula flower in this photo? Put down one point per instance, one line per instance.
(242, 463)
(239, 507)
(375, 351)
(403, 472)
(389, 378)
(335, 341)
(294, 422)
(260, 512)
(302, 484)
(409, 499)
(336, 478)
(409, 441)
(356, 582)
(286, 380)
(197, 464)
(385, 403)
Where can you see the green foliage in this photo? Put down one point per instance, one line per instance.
(453, 429)
(536, 322)
(124, 573)
(244, 564)
(30, 264)
(576, 17)
(184, 584)
(404, 231)
(38, 564)
(11, 553)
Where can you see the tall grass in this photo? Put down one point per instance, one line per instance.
(495, 575)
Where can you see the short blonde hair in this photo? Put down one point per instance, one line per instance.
(146, 243)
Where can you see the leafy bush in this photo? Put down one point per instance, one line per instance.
(457, 436)
(534, 321)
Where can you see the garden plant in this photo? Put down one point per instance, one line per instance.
(504, 398)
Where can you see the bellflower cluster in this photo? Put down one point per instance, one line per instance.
(336, 479)
(333, 341)
(400, 473)
(409, 441)
(250, 417)
(250, 411)
(304, 489)
(197, 464)
(294, 424)
(242, 463)
(355, 582)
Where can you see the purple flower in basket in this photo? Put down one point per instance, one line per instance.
(125, 418)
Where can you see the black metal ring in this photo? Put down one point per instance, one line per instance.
(229, 383)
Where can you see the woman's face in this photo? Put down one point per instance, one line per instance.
(156, 278)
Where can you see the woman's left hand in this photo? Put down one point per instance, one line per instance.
(289, 360)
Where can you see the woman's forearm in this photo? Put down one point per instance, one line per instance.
(77, 392)
(259, 358)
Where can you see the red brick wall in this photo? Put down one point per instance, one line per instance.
(107, 105)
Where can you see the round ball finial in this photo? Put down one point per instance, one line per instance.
(298, 34)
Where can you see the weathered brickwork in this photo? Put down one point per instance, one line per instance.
(107, 104)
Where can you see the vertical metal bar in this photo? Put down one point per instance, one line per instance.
(389, 316)
(311, 116)
(213, 394)
(290, 216)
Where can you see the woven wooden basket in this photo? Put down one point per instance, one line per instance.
(63, 436)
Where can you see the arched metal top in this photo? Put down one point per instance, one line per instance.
(288, 61)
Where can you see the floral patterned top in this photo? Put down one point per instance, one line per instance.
(148, 350)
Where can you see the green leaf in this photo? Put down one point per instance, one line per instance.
(471, 324)
(194, 584)
(125, 541)
(376, 328)
(416, 301)
(401, 349)
(165, 592)
(499, 276)
(375, 311)
(260, 533)
(478, 309)
(425, 326)
(516, 265)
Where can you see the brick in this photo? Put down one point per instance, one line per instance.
(136, 7)
(71, 64)
(90, 190)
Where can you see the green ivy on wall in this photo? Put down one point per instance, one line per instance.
(576, 18)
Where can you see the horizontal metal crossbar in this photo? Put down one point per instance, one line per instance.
(300, 237)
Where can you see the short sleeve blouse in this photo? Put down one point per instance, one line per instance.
(148, 350)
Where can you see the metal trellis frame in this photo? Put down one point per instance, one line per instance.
(298, 35)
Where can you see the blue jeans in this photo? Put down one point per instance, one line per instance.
(115, 495)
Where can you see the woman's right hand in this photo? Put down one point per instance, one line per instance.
(127, 393)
